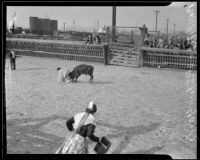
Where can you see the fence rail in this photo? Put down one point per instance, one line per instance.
(168, 58)
(52, 49)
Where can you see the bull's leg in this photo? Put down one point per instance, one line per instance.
(91, 78)
(76, 78)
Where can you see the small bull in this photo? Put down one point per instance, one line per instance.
(79, 70)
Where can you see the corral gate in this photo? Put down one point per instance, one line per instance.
(124, 45)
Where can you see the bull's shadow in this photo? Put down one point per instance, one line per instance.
(94, 82)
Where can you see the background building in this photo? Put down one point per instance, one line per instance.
(43, 26)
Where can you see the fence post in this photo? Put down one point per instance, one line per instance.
(141, 58)
(106, 54)
(140, 52)
(131, 36)
(107, 35)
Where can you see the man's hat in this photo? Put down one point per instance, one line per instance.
(92, 106)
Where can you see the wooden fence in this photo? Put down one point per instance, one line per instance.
(169, 58)
(150, 57)
(54, 49)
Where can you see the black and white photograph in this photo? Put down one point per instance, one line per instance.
(101, 79)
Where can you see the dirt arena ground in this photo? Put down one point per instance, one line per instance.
(140, 110)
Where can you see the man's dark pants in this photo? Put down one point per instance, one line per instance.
(13, 64)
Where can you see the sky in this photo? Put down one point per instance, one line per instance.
(87, 17)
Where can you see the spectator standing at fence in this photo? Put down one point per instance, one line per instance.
(144, 31)
(83, 125)
(182, 47)
(187, 44)
(169, 43)
(146, 39)
(193, 45)
(12, 60)
(155, 42)
(89, 40)
(97, 39)
(160, 43)
(152, 42)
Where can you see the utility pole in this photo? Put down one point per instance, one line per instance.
(49, 24)
(113, 23)
(64, 26)
(174, 29)
(74, 23)
(167, 28)
(156, 19)
(97, 25)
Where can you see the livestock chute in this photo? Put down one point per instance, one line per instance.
(124, 45)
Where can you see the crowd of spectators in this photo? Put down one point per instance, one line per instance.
(174, 42)
(93, 39)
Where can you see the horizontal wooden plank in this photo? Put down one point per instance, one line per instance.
(168, 63)
(76, 55)
(121, 51)
(127, 55)
(114, 55)
(128, 65)
(130, 59)
(120, 55)
(116, 51)
(166, 55)
(121, 44)
(170, 51)
(116, 62)
(133, 53)
(123, 47)
(124, 60)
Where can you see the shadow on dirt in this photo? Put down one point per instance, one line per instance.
(95, 82)
(152, 150)
(28, 69)
(130, 132)
(13, 128)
